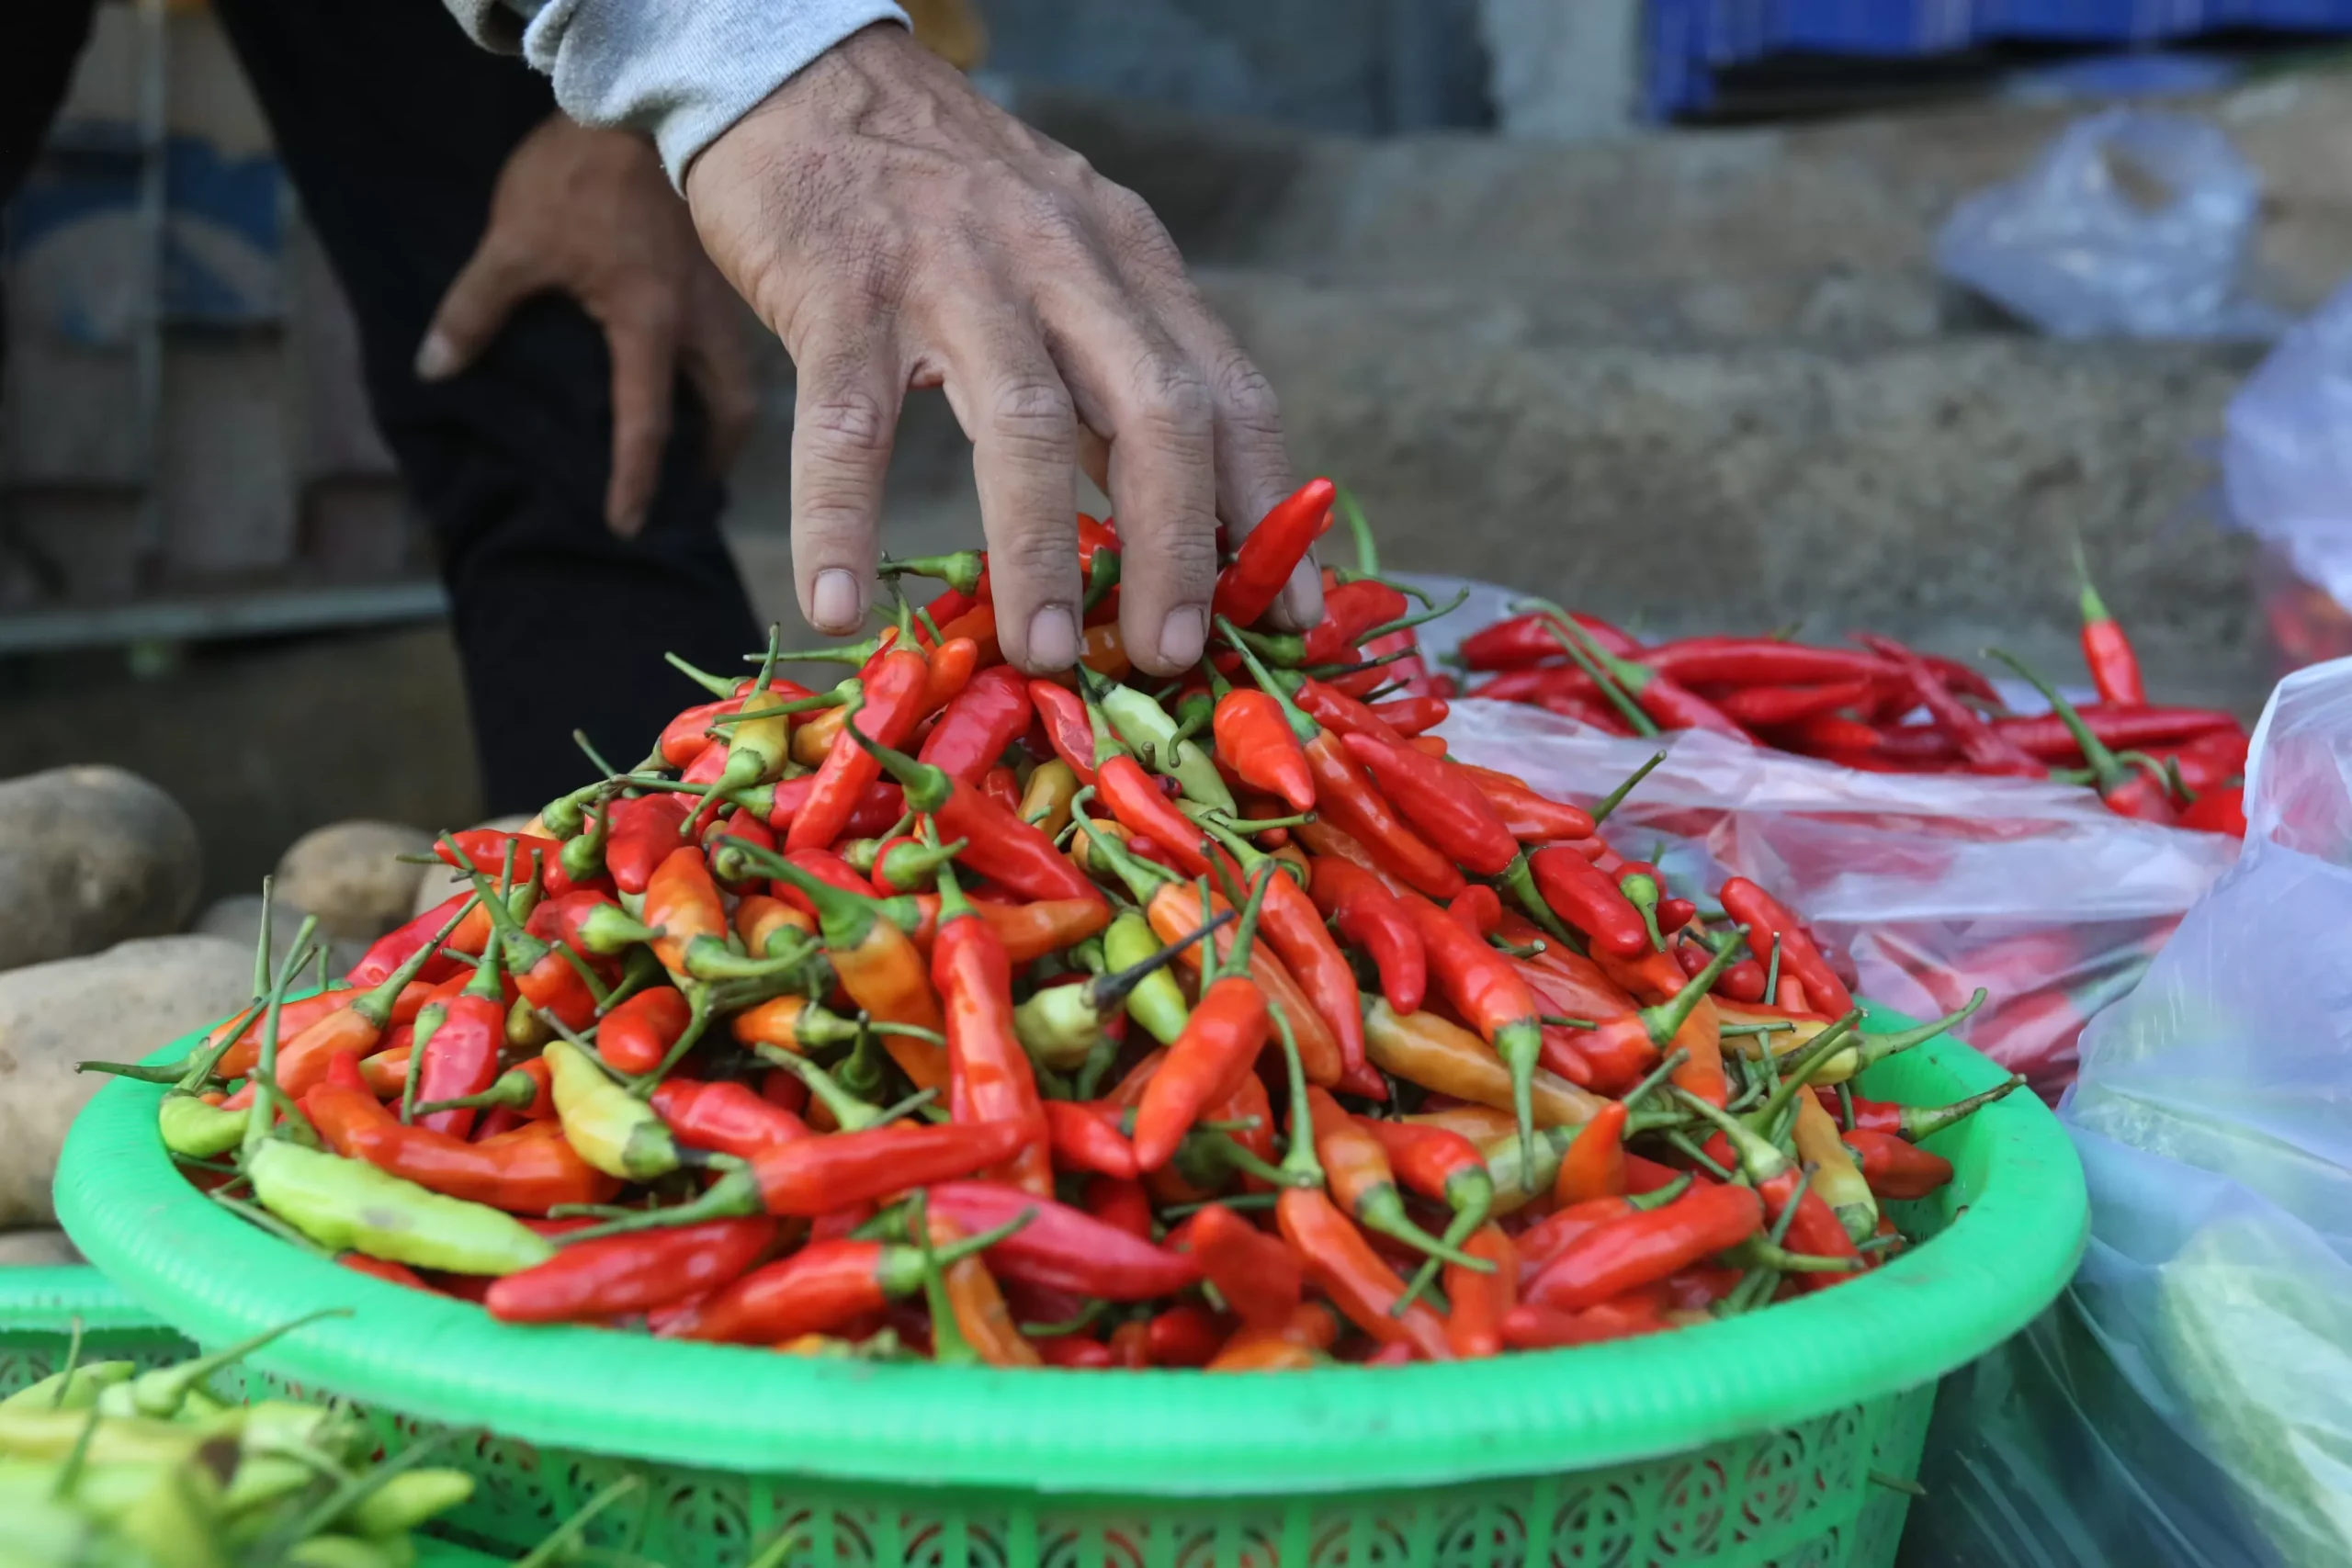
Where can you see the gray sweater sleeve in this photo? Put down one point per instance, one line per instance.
(682, 70)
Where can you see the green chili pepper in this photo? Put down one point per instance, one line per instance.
(199, 1131)
(1158, 1001)
(76, 1389)
(1141, 721)
(161, 1393)
(348, 1205)
(611, 1128)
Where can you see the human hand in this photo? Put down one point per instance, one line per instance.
(895, 230)
(591, 214)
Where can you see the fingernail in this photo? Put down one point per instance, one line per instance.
(833, 603)
(1182, 635)
(1303, 594)
(436, 356)
(630, 524)
(1052, 639)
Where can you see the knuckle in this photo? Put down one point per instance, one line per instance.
(1134, 227)
(1033, 408)
(1248, 397)
(847, 421)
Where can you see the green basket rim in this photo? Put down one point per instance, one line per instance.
(2009, 1249)
(51, 1296)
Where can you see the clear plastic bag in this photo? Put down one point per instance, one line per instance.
(2188, 1401)
(2132, 224)
(2286, 468)
(1931, 885)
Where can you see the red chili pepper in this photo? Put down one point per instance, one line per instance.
(1594, 1166)
(1261, 1279)
(461, 1057)
(891, 704)
(1336, 710)
(1444, 804)
(2218, 810)
(988, 1073)
(2125, 789)
(1894, 1168)
(1986, 750)
(1062, 1248)
(1629, 1038)
(1480, 1301)
(1487, 992)
(1345, 795)
(1075, 1352)
(1766, 662)
(1773, 707)
(527, 1171)
(1529, 1326)
(1814, 1227)
(1185, 1336)
(1661, 696)
(1413, 715)
(818, 1289)
(387, 953)
(991, 713)
(1219, 1044)
(1525, 640)
(2212, 762)
(1255, 741)
(1914, 1122)
(726, 1118)
(636, 1036)
(1580, 894)
(383, 1268)
(1356, 1278)
(1437, 1164)
(2047, 736)
(1526, 813)
(1642, 1248)
(997, 843)
(644, 831)
(1478, 908)
(1768, 919)
(1084, 1140)
(1351, 610)
(1369, 916)
(1271, 551)
(2115, 668)
(622, 1274)
(1120, 1203)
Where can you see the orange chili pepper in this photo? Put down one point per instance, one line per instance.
(878, 964)
(1481, 1301)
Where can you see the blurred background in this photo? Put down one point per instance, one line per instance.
(1635, 303)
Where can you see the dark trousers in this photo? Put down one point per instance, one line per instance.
(393, 128)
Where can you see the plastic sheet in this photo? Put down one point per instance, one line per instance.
(2188, 1401)
(2132, 224)
(1933, 885)
(2287, 468)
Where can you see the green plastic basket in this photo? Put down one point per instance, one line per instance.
(1751, 1441)
(42, 1308)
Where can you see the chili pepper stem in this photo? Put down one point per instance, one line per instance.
(1616, 797)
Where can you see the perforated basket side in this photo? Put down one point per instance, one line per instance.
(2017, 1220)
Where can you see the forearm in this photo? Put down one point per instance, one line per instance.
(682, 71)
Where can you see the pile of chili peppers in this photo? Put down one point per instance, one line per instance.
(1024, 1021)
(1881, 707)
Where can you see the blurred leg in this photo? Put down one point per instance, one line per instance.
(393, 128)
(36, 67)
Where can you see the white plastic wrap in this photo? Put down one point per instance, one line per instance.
(2188, 1401)
(2073, 247)
(2287, 468)
(1933, 885)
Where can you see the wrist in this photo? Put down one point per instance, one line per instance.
(685, 75)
